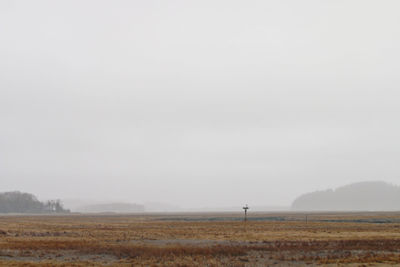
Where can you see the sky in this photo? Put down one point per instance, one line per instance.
(198, 103)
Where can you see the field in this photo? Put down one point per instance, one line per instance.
(199, 239)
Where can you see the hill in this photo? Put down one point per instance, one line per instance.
(112, 207)
(363, 196)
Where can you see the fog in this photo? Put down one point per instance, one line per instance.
(197, 103)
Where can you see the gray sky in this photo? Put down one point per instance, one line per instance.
(197, 103)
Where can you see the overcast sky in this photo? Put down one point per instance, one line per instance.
(198, 103)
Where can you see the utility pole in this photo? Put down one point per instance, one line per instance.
(245, 212)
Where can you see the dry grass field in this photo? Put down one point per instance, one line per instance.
(214, 239)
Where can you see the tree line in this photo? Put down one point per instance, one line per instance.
(18, 202)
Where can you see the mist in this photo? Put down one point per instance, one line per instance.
(197, 103)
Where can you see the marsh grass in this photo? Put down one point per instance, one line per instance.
(138, 240)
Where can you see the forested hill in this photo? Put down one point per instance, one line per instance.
(17, 202)
(364, 196)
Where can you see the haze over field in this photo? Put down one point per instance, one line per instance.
(197, 103)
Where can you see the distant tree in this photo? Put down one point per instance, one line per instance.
(58, 206)
(17, 202)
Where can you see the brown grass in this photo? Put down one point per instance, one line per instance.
(147, 240)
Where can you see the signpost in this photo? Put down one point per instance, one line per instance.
(245, 212)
